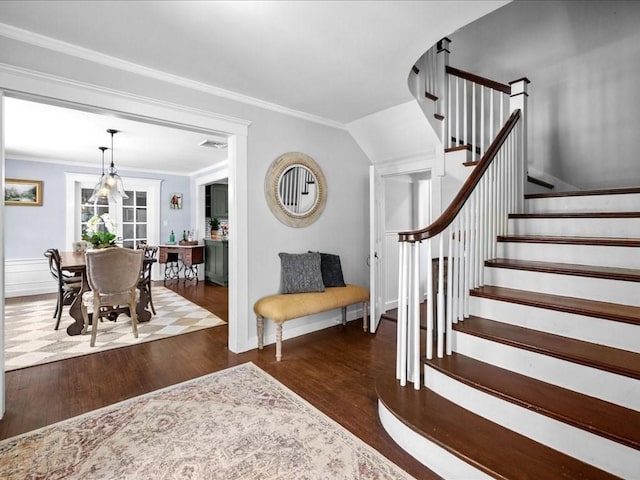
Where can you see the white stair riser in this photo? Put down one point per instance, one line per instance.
(590, 448)
(624, 336)
(597, 383)
(585, 203)
(436, 458)
(607, 256)
(600, 289)
(583, 227)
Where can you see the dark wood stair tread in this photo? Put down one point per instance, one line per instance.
(495, 450)
(569, 240)
(621, 362)
(540, 182)
(602, 418)
(613, 273)
(580, 193)
(576, 215)
(580, 306)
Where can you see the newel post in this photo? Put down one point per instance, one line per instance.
(518, 100)
(442, 62)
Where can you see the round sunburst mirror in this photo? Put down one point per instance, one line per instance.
(295, 189)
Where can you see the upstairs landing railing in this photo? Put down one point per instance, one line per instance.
(465, 109)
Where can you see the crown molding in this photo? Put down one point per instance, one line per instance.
(49, 43)
(128, 170)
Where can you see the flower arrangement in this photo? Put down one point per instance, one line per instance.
(100, 231)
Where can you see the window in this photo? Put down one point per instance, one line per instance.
(134, 218)
(137, 218)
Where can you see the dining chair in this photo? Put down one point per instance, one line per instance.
(69, 285)
(113, 275)
(144, 284)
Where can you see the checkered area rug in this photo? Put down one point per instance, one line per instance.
(31, 340)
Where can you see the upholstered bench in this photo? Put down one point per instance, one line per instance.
(282, 307)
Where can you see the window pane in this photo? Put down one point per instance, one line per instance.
(141, 215)
(127, 231)
(128, 201)
(141, 199)
(85, 194)
(141, 231)
(86, 213)
(127, 215)
(127, 244)
(102, 209)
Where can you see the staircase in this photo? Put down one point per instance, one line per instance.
(544, 379)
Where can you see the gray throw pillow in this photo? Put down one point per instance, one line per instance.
(301, 272)
(331, 269)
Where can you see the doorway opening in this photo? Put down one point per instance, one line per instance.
(57, 191)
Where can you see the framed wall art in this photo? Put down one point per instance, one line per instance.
(176, 200)
(24, 193)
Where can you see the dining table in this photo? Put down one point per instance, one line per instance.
(75, 262)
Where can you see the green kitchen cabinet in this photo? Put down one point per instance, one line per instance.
(216, 261)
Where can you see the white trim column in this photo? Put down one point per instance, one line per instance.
(2, 389)
(240, 318)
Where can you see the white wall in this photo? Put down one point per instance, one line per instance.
(583, 60)
(396, 133)
(399, 211)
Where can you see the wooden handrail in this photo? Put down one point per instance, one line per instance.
(444, 220)
(478, 79)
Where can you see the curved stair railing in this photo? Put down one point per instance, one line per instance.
(457, 244)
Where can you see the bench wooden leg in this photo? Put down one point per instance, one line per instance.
(260, 326)
(365, 308)
(278, 341)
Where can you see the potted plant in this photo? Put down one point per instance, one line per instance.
(100, 231)
(215, 225)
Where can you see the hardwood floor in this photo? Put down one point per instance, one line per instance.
(334, 370)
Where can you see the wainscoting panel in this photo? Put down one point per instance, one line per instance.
(390, 273)
(28, 277)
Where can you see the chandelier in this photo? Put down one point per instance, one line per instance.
(110, 185)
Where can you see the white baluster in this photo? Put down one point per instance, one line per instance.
(482, 234)
(465, 117)
(492, 117)
(415, 332)
(401, 357)
(457, 111)
(470, 206)
(449, 119)
(482, 122)
(467, 263)
(461, 284)
(430, 304)
(449, 290)
(474, 114)
(476, 239)
(440, 317)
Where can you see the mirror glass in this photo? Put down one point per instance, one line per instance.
(295, 189)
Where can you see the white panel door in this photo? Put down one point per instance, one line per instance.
(376, 238)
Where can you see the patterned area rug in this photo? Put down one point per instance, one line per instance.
(239, 423)
(31, 340)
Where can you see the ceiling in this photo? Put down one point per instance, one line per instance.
(332, 61)
(35, 131)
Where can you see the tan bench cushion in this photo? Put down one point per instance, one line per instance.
(283, 307)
